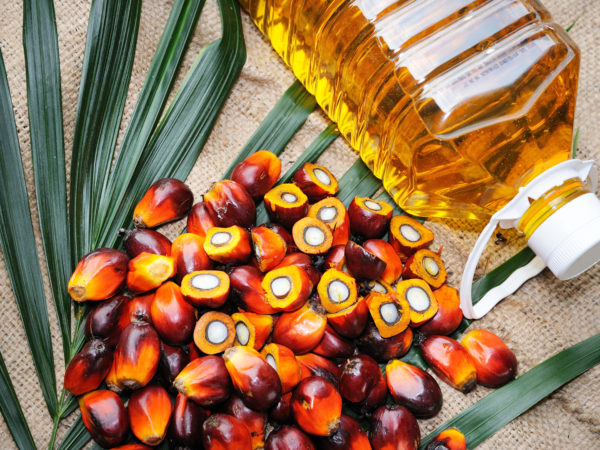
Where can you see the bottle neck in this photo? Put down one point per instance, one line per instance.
(548, 203)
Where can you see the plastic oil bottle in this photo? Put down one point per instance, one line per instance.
(463, 108)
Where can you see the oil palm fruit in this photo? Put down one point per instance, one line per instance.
(450, 361)
(252, 329)
(303, 261)
(420, 299)
(230, 204)
(288, 438)
(350, 322)
(300, 330)
(214, 332)
(104, 415)
(141, 240)
(230, 245)
(408, 235)
(317, 406)
(283, 360)
(390, 313)
(287, 288)
(166, 200)
(349, 436)
(137, 355)
(394, 427)
(449, 439)
(496, 364)
(448, 316)
(269, 248)
(172, 316)
(316, 182)
(255, 421)
(150, 411)
(102, 320)
(383, 349)
(88, 368)
(258, 173)
(358, 375)
(185, 429)
(427, 266)
(286, 204)
(385, 252)
(206, 288)
(362, 263)
(200, 220)
(337, 290)
(223, 431)
(205, 381)
(172, 361)
(282, 411)
(148, 271)
(369, 218)
(312, 236)
(333, 346)
(332, 212)
(246, 284)
(99, 275)
(188, 252)
(313, 365)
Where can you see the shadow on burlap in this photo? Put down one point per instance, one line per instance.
(542, 318)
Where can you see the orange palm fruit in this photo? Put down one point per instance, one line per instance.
(448, 316)
(141, 240)
(362, 263)
(426, 265)
(258, 173)
(246, 284)
(333, 346)
(189, 255)
(450, 361)
(148, 271)
(287, 288)
(223, 431)
(332, 212)
(420, 299)
(317, 406)
(300, 330)
(312, 236)
(349, 436)
(383, 349)
(394, 427)
(104, 415)
(350, 322)
(255, 381)
(337, 290)
(269, 248)
(166, 200)
(255, 421)
(206, 288)
(172, 361)
(316, 182)
(135, 446)
(252, 329)
(283, 233)
(450, 439)
(368, 217)
(283, 360)
(228, 245)
(102, 320)
(200, 220)
(99, 275)
(111, 379)
(408, 235)
(358, 376)
(137, 355)
(230, 204)
(303, 261)
(172, 316)
(214, 332)
(390, 313)
(496, 364)
(150, 411)
(313, 365)
(286, 204)
(282, 411)
(413, 388)
(88, 368)
(205, 381)
(186, 422)
(288, 438)
(384, 251)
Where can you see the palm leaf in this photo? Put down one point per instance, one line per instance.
(358, 181)
(77, 437)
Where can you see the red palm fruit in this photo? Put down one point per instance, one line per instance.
(223, 432)
(336, 258)
(282, 411)
(496, 364)
(300, 330)
(137, 355)
(426, 265)
(246, 283)
(269, 248)
(111, 379)
(317, 406)
(450, 361)
(283, 360)
(394, 427)
(407, 235)
(186, 422)
(362, 263)
(137, 308)
(150, 413)
(333, 346)
(166, 200)
(88, 368)
(349, 436)
(337, 290)
(173, 318)
(288, 438)
(358, 376)
(148, 271)
(135, 446)
(258, 173)
(384, 349)
(228, 245)
(448, 316)
(316, 182)
(102, 320)
(350, 322)
(303, 261)
(230, 204)
(368, 217)
(214, 332)
(98, 275)
(286, 204)
(390, 313)
(312, 365)
(252, 329)
(200, 220)
(287, 288)
(332, 212)
(189, 255)
(204, 380)
(255, 421)
(253, 378)
(449, 439)
(140, 240)
(104, 415)
(193, 351)
(172, 361)
(413, 388)
(376, 397)
(312, 236)
(384, 251)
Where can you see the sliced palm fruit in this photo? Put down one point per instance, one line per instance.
(421, 300)
(228, 245)
(449, 439)
(362, 263)
(166, 200)
(316, 182)
(303, 261)
(368, 217)
(383, 349)
(312, 236)
(246, 284)
(350, 322)
(337, 290)
(283, 360)
(148, 271)
(287, 288)
(384, 251)
(99, 275)
(269, 248)
(214, 332)
(206, 288)
(332, 212)
(450, 361)
(426, 265)
(286, 204)
(390, 313)
(262, 324)
(408, 235)
(378, 286)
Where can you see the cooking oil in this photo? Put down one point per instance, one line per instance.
(454, 104)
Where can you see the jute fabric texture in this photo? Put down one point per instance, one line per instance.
(542, 318)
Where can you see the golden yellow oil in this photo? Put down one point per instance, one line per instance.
(454, 104)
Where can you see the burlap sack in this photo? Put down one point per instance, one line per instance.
(544, 317)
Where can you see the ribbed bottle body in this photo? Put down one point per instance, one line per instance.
(454, 104)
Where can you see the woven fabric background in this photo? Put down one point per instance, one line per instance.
(542, 318)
